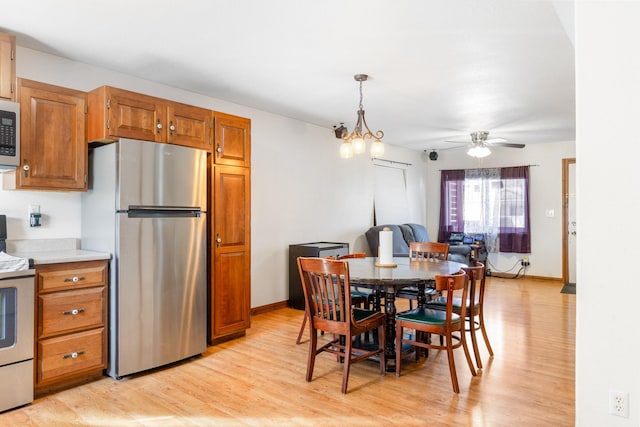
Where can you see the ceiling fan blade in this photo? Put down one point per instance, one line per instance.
(459, 142)
(507, 144)
(495, 140)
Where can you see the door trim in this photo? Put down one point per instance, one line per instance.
(565, 218)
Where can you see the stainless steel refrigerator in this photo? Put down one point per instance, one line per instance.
(146, 205)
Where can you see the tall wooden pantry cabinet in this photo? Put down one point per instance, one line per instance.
(230, 192)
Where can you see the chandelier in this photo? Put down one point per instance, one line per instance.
(354, 142)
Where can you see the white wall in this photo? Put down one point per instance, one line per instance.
(608, 179)
(301, 190)
(545, 185)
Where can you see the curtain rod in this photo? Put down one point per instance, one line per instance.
(375, 159)
(498, 167)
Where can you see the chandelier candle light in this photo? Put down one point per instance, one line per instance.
(355, 141)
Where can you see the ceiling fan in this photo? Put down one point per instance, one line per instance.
(480, 144)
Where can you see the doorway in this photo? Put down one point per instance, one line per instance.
(569, 225)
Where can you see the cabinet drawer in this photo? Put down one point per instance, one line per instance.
(70, 354)
(53, 277)
(70, 310)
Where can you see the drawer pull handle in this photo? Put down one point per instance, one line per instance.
(74, 279)
(74, 312)
(73, 355)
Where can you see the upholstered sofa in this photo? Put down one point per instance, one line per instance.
(403, 234)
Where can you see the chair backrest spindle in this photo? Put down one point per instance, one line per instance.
(428, 251)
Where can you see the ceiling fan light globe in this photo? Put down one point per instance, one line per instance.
(346, 151)
(377, 148)
(479, 151)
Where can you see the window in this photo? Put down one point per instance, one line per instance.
(391, 204)
(490, 201)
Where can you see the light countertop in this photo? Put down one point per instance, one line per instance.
(53, 251)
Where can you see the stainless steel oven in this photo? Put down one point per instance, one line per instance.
(16, 338)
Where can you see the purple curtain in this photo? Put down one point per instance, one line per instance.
(514, 210)
(451, 203)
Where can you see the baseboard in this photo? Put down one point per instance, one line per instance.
(269, 307)
(511, 276)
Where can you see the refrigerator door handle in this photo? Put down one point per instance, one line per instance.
(162, 212)
(163, 208)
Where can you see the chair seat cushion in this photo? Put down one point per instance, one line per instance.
(360, 294)
(427, 316)
(360, 314)
(442, 301)
(412, 291)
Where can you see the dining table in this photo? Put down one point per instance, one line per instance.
(386, 280)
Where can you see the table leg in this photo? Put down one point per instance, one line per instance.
(422, 301)
(390, 344)
(422, 296)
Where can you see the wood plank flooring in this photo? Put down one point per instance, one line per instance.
(259, 380)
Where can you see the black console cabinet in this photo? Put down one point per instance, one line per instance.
(314, 249)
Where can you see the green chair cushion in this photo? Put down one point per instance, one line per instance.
(360, 294)
(413, 291)
(427, 316)
(360, 314)
(442, 302)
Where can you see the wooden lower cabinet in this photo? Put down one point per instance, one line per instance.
(230, 292)
(63, 357)
(71, 324)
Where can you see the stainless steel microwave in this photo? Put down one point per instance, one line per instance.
(9, 135)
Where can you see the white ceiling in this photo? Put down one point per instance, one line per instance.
(438, 69)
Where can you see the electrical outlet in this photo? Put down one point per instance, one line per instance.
(619, 403)
(525, 261)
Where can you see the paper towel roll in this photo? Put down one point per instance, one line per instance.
(385, 251)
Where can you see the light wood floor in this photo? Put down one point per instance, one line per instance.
(259, 380)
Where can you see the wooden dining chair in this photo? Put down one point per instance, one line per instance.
(358, 298)
(424, 251)
(428, 251)
(474, 308)
(447, 323)
(326, 286)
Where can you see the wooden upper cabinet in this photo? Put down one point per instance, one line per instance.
(7, 66)
(189, 125)
(232, 140)
(53, 148)
(117, 113)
